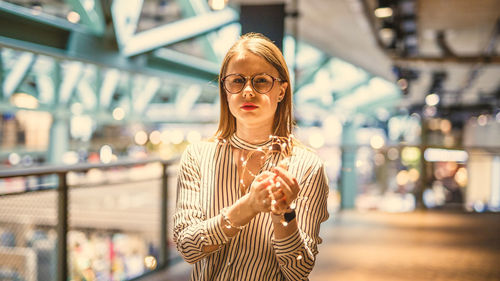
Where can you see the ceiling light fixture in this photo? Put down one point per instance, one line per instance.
(432, 99)
(383, 12)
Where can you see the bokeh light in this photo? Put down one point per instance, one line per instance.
(118, 113)
(106, 154)
(193, 136)
(141, 138)
(150, 262)
(377, 142)
(461, 177)
(155, 137)
(316, 140)
(432, 99)
(177, 136)
(402, 177)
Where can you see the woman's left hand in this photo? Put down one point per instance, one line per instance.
(287, 187)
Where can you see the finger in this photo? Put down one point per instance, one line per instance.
(267, 205)
(264, 184)
(278, 195)
(295, 186)
(264, 175)
(287, 190)
(291, 182)
(280, 172)
(275, 186)
(280, 206)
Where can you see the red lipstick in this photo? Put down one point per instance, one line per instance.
(249, 106)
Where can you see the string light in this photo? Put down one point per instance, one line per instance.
(278, 145)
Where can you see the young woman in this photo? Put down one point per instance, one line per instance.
(250, 202)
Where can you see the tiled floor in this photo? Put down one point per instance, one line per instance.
(440, 246)
(412, 246)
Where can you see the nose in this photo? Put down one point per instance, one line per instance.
(247, 91)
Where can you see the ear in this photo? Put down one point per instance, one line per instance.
(283, 88)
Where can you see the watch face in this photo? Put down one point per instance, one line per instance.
(289, 216)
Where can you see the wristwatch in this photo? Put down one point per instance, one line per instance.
(284, 218)
(289, 216)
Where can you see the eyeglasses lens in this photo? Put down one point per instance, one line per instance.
(262, 83)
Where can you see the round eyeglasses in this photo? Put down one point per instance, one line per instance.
(262, 83)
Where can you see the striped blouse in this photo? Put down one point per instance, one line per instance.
(208, 181)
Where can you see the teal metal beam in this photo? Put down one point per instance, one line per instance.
(58, 85)
(22, 24)
(178, 31)
(126, 14)
(342, 94)
(193, 8)
(91, 15)
(45, 87)
(188, 63)
(108, 88)
(184, 65)
(72, 74)
(86, 96)
(128, 99)
(20, 30)
(375, 90)
(146, 95)
(372, 107)
(186, 99)
(2, 74)
(125, 99)
(43, 70)
(96, 86)
(17, 74)
(167, 112)
(85, 89)
(310, 76)
(96, 53)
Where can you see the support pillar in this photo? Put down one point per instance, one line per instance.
(348, 181)
(266, 19)
(59, 139)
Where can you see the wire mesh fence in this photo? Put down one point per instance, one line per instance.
(111, 219)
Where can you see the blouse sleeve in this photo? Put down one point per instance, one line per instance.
(192, 229)
(296, 253)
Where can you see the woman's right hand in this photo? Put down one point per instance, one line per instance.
(259, 195)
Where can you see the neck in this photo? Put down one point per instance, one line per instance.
(253, 135)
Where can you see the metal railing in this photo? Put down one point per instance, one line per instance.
(62, 226)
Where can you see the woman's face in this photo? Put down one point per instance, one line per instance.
(250, 108)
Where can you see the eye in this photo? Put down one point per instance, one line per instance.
(262, 79)
(238, 80)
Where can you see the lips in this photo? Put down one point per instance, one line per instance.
(249, 106)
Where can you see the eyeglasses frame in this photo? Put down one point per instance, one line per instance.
(249, 78)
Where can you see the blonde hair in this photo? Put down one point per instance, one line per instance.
(261, 46)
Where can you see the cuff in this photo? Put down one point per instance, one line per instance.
(215, 233)
(288, 244)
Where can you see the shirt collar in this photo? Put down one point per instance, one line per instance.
(242, 144)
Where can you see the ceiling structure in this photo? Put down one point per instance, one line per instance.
(467, 52)
(443, 46)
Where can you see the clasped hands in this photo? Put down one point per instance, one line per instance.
(273, 191)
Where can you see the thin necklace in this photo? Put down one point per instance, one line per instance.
(280, 145)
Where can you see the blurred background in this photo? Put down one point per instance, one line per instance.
(99, 98)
